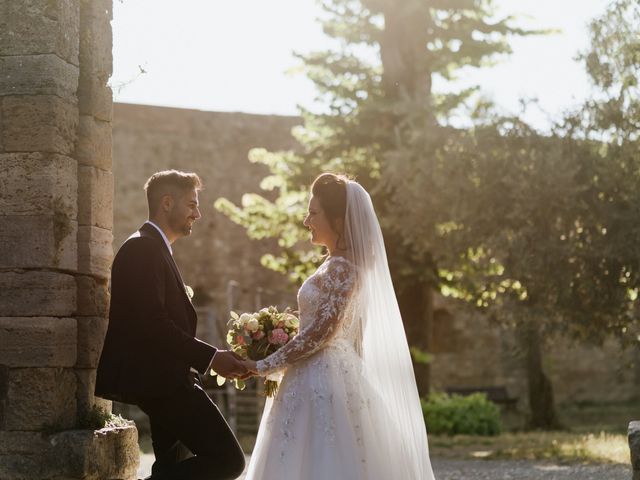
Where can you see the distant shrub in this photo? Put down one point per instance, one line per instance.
(458, 415)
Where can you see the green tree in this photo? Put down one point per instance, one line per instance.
(539, 231)
(381, 72)
(613, 64)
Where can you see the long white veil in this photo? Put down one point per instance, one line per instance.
(384, 349)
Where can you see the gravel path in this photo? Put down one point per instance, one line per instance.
(497, 470)
(525, 470)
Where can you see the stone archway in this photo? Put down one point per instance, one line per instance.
(56, 218)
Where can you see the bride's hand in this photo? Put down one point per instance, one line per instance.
(251, 366)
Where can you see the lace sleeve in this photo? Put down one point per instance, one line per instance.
(335, 284)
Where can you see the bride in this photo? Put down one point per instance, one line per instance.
(347, 407)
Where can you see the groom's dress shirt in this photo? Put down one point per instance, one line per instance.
(164, 237)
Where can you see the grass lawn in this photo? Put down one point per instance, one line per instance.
(555, 446)
(594, 434)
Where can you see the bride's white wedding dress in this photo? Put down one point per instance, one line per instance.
(336, 416)
(319, 425)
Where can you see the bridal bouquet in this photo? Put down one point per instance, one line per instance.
(257, 335)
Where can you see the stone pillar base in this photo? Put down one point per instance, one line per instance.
(634, 446)
(106, 454)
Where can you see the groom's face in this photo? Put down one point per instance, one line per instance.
(184, 212)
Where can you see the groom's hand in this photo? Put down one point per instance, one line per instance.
(228, 364)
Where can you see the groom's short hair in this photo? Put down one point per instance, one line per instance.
(169, 182)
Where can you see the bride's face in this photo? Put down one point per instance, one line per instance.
(319, 226)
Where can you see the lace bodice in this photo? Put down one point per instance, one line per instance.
(323, 303)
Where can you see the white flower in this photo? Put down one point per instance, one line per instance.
(189, 291)
(290, 321)
(253, 325)
(244, 319)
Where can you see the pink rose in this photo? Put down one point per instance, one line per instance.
(258, 335)
(240, 340)
(278, 337)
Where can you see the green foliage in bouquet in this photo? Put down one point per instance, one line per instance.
(456, 415)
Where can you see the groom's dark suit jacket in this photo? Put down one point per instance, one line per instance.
(150, 344)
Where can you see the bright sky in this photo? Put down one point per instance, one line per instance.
(233, 55)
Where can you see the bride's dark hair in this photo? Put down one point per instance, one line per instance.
(331, 191)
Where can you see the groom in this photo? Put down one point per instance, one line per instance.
(150, 347)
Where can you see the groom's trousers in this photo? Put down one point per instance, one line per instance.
(191, 439)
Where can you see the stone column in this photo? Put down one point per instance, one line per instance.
(634, 447)
(56, 192)
(95, 192)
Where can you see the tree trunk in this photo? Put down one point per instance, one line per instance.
(406, 79)
(406, 67)
(403, 48)
(542, 407)
(416, 307)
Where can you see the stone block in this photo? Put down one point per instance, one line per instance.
(106, 454)
(95, 251)
(634, 446)
(94, 145)
(91, 332)
(4, 389)
(103, 404)
(30, 293)
(44, 241)
(95, 98)
(38, 341)
(40, 26)
(95, 197)
(96, 38)
(93, 297)
(94, 95)
(38, 75)
(40, 123)
(85, 396)
(23, 455)
(1, 145)
(38, 184)
(39, 398)
(86, 381)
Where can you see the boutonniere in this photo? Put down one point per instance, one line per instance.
(189, 291)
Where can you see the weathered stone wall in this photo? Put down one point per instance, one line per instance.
(55, 239)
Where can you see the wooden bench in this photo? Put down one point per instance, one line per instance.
(497, 395)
